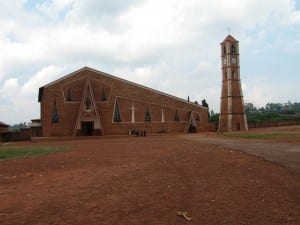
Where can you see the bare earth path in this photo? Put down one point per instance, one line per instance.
(147, 180)
(284, 153)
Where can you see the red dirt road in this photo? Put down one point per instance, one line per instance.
(147, 181)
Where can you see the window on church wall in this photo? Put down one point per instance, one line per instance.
(103, 96)
(69, 96)
(198, 117)
(176, 118)
(224, 50)
(148, 116)
(88, 104)
(233, 74)
(55, 116)
(226, 75)
(117, 115)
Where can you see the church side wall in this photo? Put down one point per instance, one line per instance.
(126, 94)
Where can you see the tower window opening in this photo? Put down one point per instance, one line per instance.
(233, 49)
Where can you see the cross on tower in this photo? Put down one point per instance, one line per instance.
(228, 30)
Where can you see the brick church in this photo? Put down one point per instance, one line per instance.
(89, 102)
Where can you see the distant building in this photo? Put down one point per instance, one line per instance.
(3, 130)
(36, 128)
(89, 102)
(232, 114)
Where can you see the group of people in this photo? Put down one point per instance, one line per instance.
(138, 133)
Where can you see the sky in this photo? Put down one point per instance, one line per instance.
(170, 45)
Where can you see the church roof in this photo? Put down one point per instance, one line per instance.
(112, 77)
(229, 38)
(3, 124)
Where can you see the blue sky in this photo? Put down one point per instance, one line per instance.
(169, 45)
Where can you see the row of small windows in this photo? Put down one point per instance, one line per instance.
(117, 114)
(232, 49)
(103, 95)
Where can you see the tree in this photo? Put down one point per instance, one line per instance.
(17, 127)
(273, 112)
(214, 117)
(249, 107)
(204, 103)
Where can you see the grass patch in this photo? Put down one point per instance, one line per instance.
(262, 136)
(16, 152)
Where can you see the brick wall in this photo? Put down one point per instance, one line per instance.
(125, 94)
(23, 135)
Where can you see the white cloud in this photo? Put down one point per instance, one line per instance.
(8, 7)
(169, 45)
(10, 87)
(46, 75)
(12, 90)
(20, 101)
(258, 93)
(53, 7)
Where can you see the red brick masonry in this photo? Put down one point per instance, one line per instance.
(90, 102)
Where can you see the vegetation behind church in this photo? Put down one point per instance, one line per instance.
(272, 112)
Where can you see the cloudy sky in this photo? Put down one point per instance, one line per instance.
(169, 45)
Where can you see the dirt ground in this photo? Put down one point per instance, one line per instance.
(284, 150)
(147, 180)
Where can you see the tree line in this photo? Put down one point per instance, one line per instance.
(271, 112)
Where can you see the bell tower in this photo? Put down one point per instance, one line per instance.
(232, 114)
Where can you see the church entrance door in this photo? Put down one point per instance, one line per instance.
(192, 129)
(87, 128)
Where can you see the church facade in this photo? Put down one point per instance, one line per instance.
(89, 102)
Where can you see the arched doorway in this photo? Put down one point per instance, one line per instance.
(192, 129)
(87, 128)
